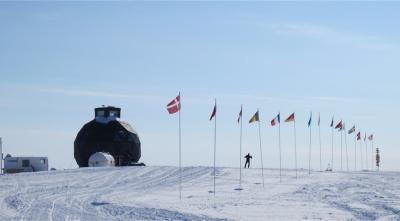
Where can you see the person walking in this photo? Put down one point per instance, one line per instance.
(248, 157)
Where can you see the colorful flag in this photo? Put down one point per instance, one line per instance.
(214, 112)
(175, 105)
(339, 126)
(332, 122)
(371, 137)
(309, 121)
(290, 118)
(352, 130)
(359, 135)
(276, 120)
(254, 118)
(240, 114)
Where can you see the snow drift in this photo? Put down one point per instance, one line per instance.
(151, 193)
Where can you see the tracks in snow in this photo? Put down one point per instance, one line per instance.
(72, 194)
(150, 193)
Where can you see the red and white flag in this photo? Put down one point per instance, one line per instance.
(175, 105)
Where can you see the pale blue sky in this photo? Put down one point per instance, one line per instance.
(60, 60)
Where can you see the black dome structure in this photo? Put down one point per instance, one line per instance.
(106, 133)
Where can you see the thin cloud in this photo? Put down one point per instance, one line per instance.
(193, 99)
(332, 35)
(336, 99)
(45, 89)
(85, 93)
(234, 98)
(104, 94)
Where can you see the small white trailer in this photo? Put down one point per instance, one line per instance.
(101, 159)
(25, 164)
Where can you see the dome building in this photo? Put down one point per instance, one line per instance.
(100, 159)
(106, 133)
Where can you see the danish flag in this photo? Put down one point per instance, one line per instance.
(175, 105)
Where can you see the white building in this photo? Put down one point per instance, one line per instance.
(25, 164)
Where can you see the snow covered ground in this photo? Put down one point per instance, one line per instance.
(151, 193)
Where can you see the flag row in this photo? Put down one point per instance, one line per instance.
(174, 106)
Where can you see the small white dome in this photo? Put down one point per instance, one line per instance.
(101, 159)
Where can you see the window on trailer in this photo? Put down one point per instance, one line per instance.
(25, 163)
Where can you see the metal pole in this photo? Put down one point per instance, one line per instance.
(215, 142)
(309, 155)
(355, 153)
(295, 147)
(332, 152)
(280, 150)
(366, 151)
(180, 149)
(361, 157)
(372, 154)
(320, 147)
(347, 154)
(1, 155)
(341, 149)
(262, 164)
(240, 156)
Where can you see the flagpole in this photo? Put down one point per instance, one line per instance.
(332, 149)
(341, 148)
(280, 149)
(309, 153)
(347, 154)
(180, 149)
(372, 152)
(240, 154)
(366, 151)
(362, 164)
(259, 135)
(295, 147)
(355, 152)
(320, 145)
(1, 155)
(215, 141)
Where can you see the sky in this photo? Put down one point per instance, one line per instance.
(60, 60)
